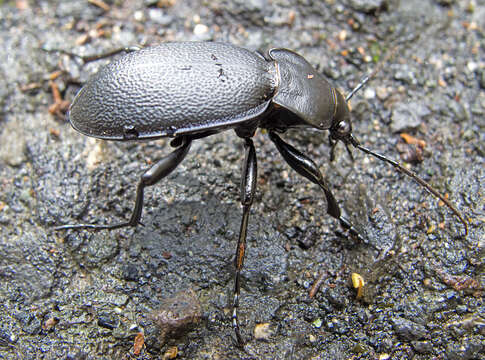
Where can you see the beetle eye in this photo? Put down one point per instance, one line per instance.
(343, 128)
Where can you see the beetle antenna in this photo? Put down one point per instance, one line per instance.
(390, 54)
(373, 73)
(416, 178)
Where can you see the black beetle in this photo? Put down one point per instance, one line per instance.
(190, 90)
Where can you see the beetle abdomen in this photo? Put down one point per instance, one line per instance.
(173, 88)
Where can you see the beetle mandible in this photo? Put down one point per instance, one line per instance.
(190, 90)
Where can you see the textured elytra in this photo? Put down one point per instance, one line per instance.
(174, 88)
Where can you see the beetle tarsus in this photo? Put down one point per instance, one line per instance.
(347, 225)
(89, 58)
(92, 226)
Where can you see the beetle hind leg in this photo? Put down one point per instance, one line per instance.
(305, 166)
(157, 172)
(248, 188)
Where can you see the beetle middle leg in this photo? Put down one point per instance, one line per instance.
(157, 172)
(248, 188)
(305, 166)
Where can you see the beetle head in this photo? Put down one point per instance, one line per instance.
(341, 129)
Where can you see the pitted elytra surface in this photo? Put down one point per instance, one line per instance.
(174, 88)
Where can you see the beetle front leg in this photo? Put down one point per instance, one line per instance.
(157, 172)
(248, 188)
(305, 166)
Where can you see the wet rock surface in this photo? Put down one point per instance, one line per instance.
(84, 294)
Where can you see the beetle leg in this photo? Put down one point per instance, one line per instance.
(332, 148)
(158, 171)
(248, 188)
(305, 166)
(89, 58)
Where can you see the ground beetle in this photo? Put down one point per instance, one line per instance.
(190, 90)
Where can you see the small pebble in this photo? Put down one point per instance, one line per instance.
(200, 29)
(262, 331)
(369, 93)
